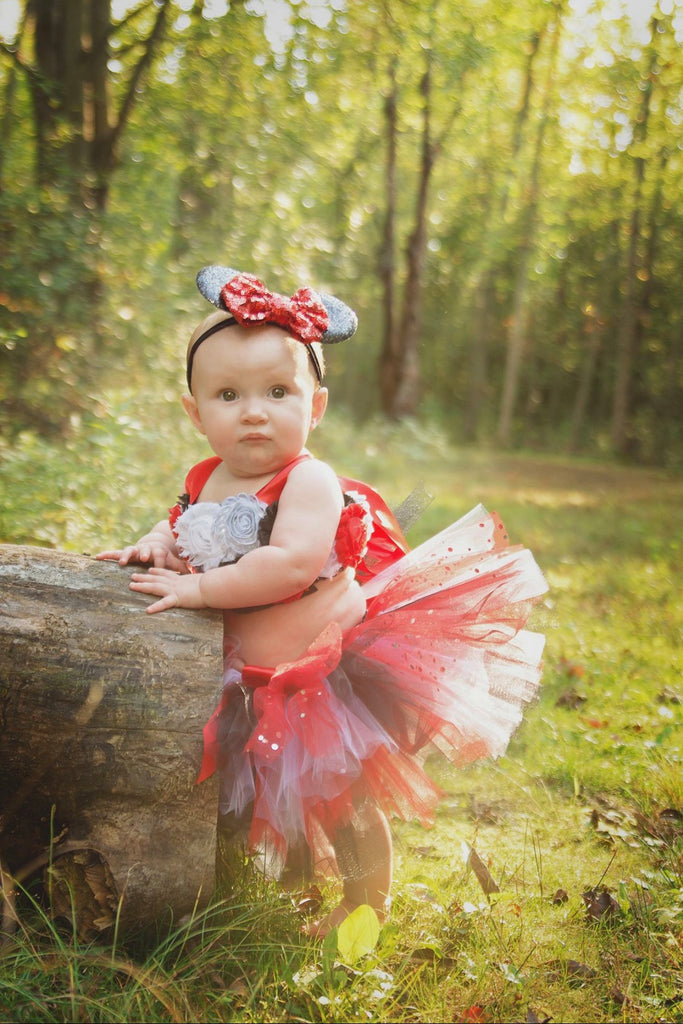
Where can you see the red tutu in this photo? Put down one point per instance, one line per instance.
(441, 660)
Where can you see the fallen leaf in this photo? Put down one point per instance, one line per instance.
(618, 997)
(309, 902)
(482, 873)
(669, 696)
(571, 698)
(572, 971)
(600, 905)
(473, 1015)
(572, 668)
(358, 933)
(533, 1018)
(575, 969)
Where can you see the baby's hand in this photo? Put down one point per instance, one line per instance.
(173, 590)
(144, 552)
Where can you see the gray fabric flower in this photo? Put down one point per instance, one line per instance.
(235, 526)
(211, 534)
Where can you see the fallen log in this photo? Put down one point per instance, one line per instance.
(101, 715)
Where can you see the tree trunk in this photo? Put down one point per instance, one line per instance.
(388, 360)
(627, 334)
(593, 332)
(407, 394)
(102, 708)
(517, 334)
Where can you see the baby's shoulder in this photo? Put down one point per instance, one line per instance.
(313, 473)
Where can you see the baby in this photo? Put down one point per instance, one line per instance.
(345, 656)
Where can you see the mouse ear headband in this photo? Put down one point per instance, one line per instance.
(307, 316)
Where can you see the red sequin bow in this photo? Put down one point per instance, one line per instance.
(249, 301)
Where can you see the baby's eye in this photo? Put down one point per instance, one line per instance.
(228, 395)
(278, 391)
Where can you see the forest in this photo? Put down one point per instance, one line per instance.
(493, 187)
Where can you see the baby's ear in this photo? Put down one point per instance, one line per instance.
(190, 406)
(319, 406)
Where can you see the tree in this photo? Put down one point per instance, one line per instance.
(467, 179)
(640, 254)
(519, 320)
(399, 362)
(79, 108)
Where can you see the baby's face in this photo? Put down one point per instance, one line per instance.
(255, 397)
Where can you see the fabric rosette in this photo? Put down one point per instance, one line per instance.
(353, 533)
(211, 534)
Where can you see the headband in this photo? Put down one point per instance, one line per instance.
(307, 316)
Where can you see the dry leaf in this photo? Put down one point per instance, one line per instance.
(533, 1018)
(483, 875)
(571, 698)
(473, 1015)
(600, 905)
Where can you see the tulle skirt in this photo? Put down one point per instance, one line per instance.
(442, 660)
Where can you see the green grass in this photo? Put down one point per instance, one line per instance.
(587, 799)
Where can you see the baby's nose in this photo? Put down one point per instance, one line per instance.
(254, 409)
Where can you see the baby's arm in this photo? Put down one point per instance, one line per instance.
(158, 547)
(300, 543)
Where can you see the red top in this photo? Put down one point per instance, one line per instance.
(386, 543)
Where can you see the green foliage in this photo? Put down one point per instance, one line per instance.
(112, 478)
(257, 138)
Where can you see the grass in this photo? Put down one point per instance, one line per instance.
(570, 907)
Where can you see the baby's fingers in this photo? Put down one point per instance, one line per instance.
(163, 605)
(151, 583)
(156, 572)
(122, 555)
(109, 555)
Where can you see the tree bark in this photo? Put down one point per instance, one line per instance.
(593, 333)
(387, 271)
(407, 395)
(519, 320)
(633, 303)
(101, 715)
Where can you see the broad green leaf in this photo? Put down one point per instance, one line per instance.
(357, 935)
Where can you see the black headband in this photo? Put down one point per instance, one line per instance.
(230, 322)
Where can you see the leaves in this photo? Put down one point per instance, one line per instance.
(357, 934)
(601, 906)
(483, 875)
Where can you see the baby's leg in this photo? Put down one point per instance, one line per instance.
(365, 858)
(364, 855)
(231, 853)
(298, 870)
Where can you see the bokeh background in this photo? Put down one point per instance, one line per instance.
(494, 187)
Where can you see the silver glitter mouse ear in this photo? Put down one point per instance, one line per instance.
(247, 299)
(210, 281)
(343, 322)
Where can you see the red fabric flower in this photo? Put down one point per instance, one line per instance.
(352, 536)
(175, 513)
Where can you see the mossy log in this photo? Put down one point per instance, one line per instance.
(101, 715)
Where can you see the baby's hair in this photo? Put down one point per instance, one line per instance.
(314, 349)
